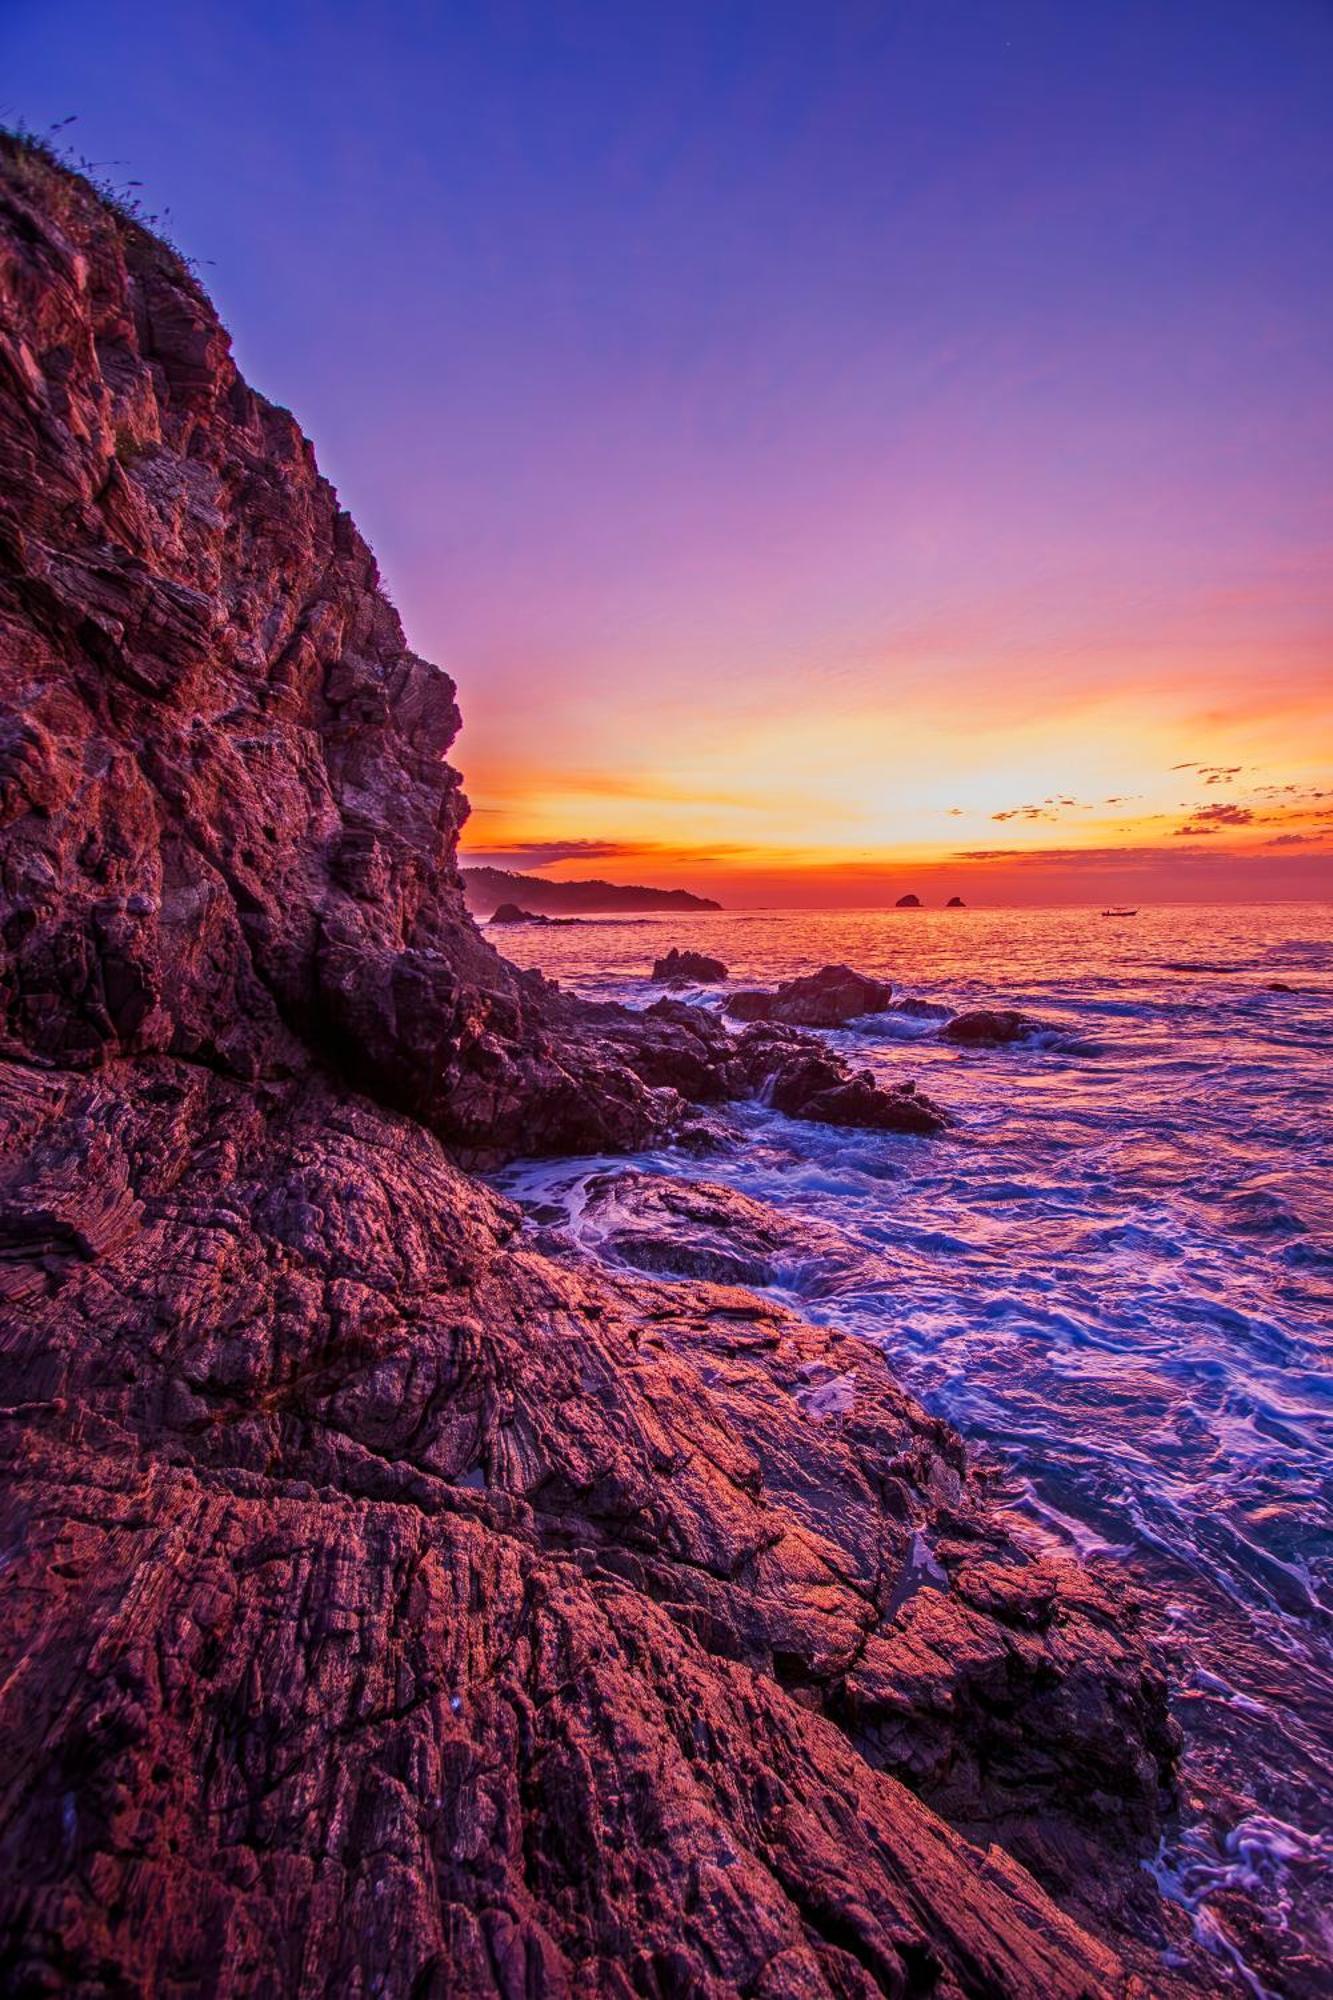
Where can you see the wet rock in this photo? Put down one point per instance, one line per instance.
(699, 1229)
(811, 1083)
(751, 1004)
(510, 913)
(828, 998)
(955, 903)
(990, 1025)
(908, 903)
(682, 968)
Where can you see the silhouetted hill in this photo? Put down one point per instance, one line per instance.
(487, 888)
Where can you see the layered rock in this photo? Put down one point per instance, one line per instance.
(395, 1605)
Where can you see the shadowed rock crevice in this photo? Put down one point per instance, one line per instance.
(397, 1602)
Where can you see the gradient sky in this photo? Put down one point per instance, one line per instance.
(836, 448)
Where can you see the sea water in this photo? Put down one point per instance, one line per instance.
(1115, 1276)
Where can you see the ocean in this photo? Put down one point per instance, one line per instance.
(1115, 1276)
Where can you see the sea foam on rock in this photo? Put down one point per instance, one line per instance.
(991, 1025)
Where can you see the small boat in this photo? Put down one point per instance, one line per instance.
(1120, 913)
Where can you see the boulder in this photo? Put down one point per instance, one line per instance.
(993, 1025)
(825, 999)
(685, 968)
(751, 1004)
(811, 1083)
(699, 1229)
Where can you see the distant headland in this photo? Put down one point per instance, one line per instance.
(487, 888)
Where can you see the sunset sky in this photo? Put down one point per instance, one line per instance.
(836, 448)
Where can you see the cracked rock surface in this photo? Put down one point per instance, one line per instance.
(396, 1603)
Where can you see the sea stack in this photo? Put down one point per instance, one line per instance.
(908, 903)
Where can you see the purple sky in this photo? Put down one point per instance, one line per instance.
(805, 431)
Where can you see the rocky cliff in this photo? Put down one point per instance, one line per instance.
(394, 1605)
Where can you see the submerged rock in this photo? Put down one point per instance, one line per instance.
(995, 1025)
(680, 968)
(393, 1607)
(696, 1229)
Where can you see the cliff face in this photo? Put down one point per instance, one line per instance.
(393, 1606)
(230, 822)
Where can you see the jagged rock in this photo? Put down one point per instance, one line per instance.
(682, 968)
(830, 997)
(825, 999)
(392, 1607)
(809, 1082)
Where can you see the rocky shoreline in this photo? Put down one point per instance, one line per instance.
(398, 1602)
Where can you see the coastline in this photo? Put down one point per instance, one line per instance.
(400, 1601)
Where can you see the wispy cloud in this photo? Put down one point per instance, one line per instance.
(525, 855)
(1213, 774)
(1065, 857)
(546, 853)
(1207, 819)
(1052, 809)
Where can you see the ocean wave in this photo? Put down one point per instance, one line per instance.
(1116, 1276)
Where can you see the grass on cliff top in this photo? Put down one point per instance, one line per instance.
(49, 168)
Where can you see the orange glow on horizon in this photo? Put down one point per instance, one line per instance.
(1027, 793)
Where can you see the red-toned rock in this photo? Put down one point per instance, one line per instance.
(697, 1229)
(390, 1606)
(825, 999)
(684, 968)
(805, 1080)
